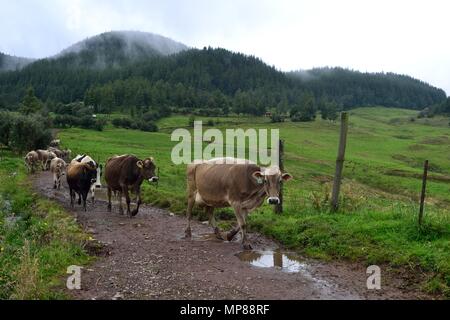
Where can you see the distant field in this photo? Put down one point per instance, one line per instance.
(378, 218)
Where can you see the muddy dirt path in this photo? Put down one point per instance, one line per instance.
(146, 258)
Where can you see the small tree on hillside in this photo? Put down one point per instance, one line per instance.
(30, 104)
(306, 110)
(328, 109)
(29, 133)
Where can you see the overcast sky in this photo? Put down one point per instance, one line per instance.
(409, 37)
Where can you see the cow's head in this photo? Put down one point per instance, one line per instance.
(60, 168)
(90, 172)
(271, 178)
(148, 169)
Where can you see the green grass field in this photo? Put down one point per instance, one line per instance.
(377, 221)
(38, 239)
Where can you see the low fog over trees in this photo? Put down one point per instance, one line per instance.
(130, 74)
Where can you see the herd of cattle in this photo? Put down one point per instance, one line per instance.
(217, 183)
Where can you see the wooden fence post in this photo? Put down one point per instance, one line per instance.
(340, 161)
(279, 207)
(424, 188)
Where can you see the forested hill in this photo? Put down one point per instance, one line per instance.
(12, 63)
(116, 49)
(354, 88)
(111, 71)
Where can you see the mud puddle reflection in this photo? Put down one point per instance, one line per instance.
(285, 262)
(273, 259)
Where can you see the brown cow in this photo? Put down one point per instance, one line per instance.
(62, 154)
(45, 157)
(87, 159)
(126, 172)
(31, 161)
(57, 167)
(241, 185)
(80, 177)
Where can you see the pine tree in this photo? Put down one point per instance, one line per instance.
(30, 104)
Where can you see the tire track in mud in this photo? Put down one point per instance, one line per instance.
(147, 258)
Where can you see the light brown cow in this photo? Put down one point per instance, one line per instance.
(62, 154)
(58, 168)
(45, 157)
(241, 185)
(31, 161)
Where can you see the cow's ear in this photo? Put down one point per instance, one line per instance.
(140, 164)
(259, 177)
(286, 177)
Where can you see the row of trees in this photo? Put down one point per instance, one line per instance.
(308, 108)
(138, 96)
(441, 108)
(198, 81)
(355, 89)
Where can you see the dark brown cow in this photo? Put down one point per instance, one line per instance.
(126, 172)
(241, 185)
(80, 177)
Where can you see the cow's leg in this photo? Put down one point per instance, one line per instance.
(72, 196)
(191, 202)
(233, 233)
(85, 195)
(138, 202)
(127, 198)
(213, 223)
(241, 215)
(93, 194)
(79, 198)
(109, 199)
(119, 196)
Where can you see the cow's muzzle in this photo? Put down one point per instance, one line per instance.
(273, 200)
(153, 179)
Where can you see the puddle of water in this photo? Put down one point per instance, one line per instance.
(287, 262)
(273, 259)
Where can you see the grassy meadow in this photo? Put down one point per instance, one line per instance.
(376, 223)
(38, 239)
(377, 220)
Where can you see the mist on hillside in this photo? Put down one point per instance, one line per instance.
(12, 63)
(113, 48)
